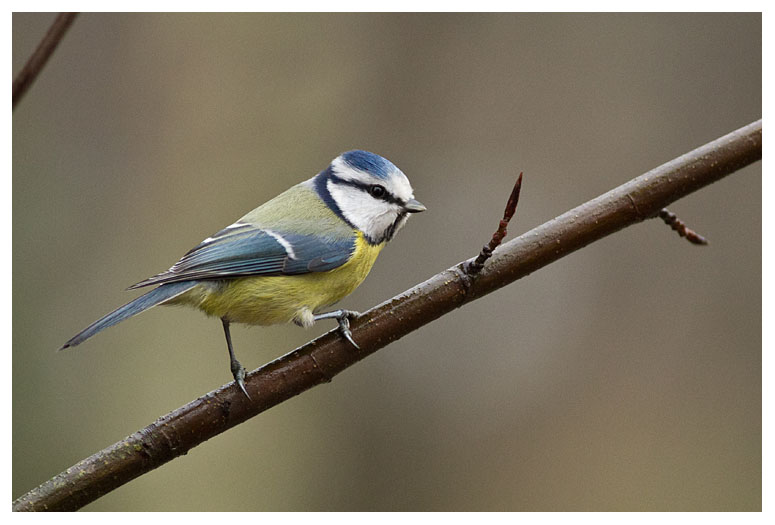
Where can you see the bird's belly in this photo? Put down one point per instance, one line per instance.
(263, 300)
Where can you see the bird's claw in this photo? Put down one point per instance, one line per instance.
(344, 327)
(343, 318)
(239, 373)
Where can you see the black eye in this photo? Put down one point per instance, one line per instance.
(377, 191)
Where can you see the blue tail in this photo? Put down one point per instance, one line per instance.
(142, 303)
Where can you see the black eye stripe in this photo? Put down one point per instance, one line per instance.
(387, 196)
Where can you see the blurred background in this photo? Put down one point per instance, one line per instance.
(626, 376)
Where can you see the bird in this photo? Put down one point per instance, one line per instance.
(289, 259)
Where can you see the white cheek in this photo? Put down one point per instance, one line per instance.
(369, 215)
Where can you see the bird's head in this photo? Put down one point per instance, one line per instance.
(369, 192)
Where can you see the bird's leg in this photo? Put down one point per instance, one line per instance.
(237, 370)
(343, 318)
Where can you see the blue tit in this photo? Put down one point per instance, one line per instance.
(291, 257)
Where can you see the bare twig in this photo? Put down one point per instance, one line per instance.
(35, 64)
(679, 226)
(497, 237)
(321, 359)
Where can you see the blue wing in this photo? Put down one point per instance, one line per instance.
(242, 249)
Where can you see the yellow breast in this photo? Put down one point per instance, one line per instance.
(282, 298)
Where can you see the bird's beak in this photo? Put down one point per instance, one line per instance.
(414, 206)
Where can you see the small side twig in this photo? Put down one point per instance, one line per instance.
(497, 237)
(678, 225)
(45, 49)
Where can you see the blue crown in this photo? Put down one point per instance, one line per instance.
(369, 162)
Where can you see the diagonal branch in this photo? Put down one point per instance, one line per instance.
(321, 359)
(42, 53)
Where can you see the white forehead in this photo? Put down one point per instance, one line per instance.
(392, 178)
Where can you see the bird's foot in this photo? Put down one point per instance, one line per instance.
(239, 373)
(343, 318)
